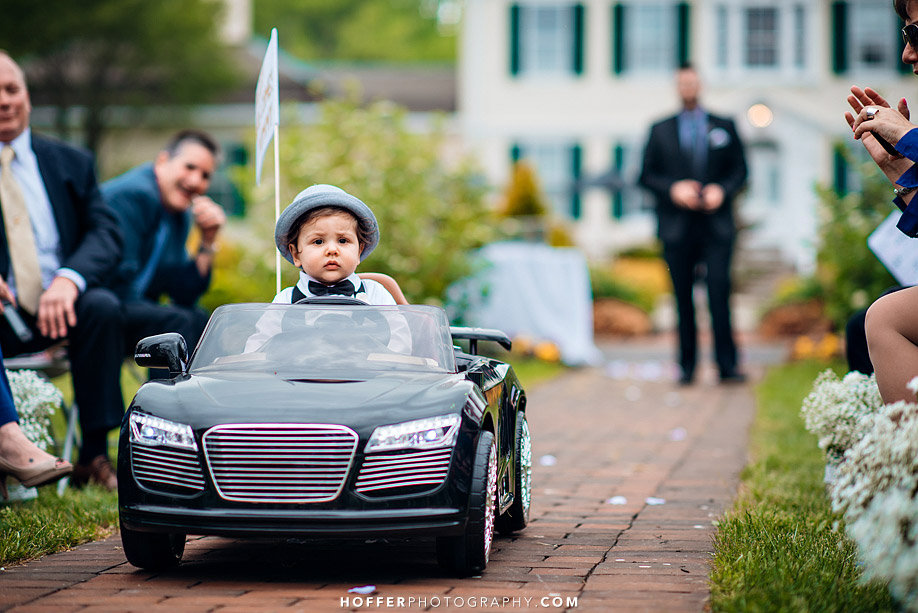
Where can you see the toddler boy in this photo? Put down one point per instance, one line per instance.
(326, 233)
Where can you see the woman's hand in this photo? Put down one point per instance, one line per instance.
(891, 124)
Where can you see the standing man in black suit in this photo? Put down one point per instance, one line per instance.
(694, 165)
(59, 243)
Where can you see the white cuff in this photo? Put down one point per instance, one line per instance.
(77, 278)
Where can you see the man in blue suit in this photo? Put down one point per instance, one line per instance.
(59, 243)
(694, 165)
(157, 203)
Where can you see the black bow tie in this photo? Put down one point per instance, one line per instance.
(344, 287)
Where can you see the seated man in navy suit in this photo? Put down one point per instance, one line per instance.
(157, 203)
(59, 242)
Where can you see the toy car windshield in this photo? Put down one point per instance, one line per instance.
(333, 341)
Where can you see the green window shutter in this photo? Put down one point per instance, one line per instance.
(618, 198)
(514, 39)
(579, 39)
(576, 154)
(840, 170)
(683, 25)
(618, 38)
(839, 37)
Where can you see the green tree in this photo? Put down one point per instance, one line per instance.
(431, 215)
(100, 53)
(850, 274)
(357, 30)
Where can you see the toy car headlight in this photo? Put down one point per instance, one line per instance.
(149, 430)
(427, 433)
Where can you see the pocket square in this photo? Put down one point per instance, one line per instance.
(718, 138)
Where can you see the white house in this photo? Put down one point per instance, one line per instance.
(574, 87)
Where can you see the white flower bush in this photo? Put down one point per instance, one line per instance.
(887, 537)
(36, 400)
(834, 408)
(885, 457)
(876, 482)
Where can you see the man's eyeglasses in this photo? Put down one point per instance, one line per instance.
(910, 35)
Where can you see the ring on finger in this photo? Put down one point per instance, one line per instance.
(871, 111)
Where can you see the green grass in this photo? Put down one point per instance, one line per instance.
(781, 548)
(531, 371)
(48, 524)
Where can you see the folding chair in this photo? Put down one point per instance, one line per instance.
(50, 363)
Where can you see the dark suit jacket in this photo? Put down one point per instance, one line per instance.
(134, 197)
(665, 162)
(89, 235)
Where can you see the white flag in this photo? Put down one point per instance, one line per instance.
(267, 105)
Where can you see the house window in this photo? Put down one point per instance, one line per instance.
(762, 37)
(849, 157)
(627, 198)
(557, 168)
(767, 38)
(648, 36)
(765, 174)
(546, 39)
(870, 27)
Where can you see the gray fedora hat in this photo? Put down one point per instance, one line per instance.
(318, 196)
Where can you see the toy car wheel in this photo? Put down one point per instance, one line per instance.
(517, 516)
(151, 550)
(468, 553)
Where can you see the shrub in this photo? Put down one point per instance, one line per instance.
(523, 198)
(796, 290)
(833, 410)
(877, 489)
(606, 284)
(850, 274)
(885, 455)
(36, 400)
(243, 275)
(876, 486)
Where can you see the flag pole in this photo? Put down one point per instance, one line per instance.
(277, 257)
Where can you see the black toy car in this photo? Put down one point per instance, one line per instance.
(332, 418)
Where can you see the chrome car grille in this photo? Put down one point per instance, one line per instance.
(386, 471)
(167, 469)
(279, 462)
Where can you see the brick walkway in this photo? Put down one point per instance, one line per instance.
(630, 471)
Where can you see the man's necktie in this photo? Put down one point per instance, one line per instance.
(344, 287)
(700, 144)
(20, 239)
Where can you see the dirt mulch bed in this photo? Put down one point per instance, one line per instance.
(613, 317)
(799, 319)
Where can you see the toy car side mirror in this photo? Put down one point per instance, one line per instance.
(473, 335)
(167, 350)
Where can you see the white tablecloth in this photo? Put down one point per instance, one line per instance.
(533, 290)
